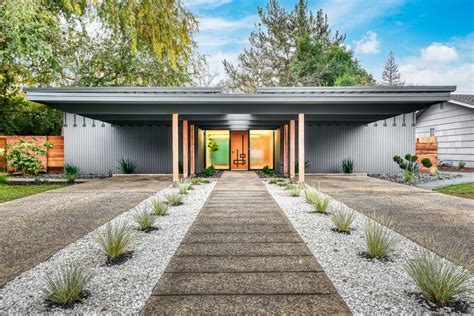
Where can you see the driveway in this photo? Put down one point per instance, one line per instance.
(35, 227)
(418, 213)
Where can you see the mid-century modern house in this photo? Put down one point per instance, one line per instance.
(278, 127)
(452, 122)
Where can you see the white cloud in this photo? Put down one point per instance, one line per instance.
(368, 44)
(439, 52)
(461, 75)
(205, 3)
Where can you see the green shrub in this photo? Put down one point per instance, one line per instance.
(70, 169)
(4, 177)
(70, 178)
(439, 279)
(379, 239)
(343, 220)
(347, 165)
(144, 220)
(159, 208)
(127, 166)
(209, 171)
(184, 186)
(24, 155)
(461, 165)
(66, 285)
(296, 190)
(114, 239)
(408, 176)
(426, 162)
(409, 164)
(269, 172)
(321, 203)
(174, 199)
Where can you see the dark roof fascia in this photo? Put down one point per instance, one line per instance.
(356, 89)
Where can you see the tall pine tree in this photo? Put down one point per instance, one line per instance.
(390, 74)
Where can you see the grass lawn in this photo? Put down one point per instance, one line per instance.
(465, 190)
(11, 192)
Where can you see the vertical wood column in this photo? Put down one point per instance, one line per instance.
(175, 147)
(301, 161)
(285, 149)
(292, 149)
(191, 149)
(185, 149)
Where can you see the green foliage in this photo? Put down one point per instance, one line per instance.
(319, 63)
(438, 279)
(390, 74)
(24, 155)
(266, 63)
(269, 172)
(275, 181)
(70, 178)
(212, 145)
(159, 208)
(379, 239)
(408, 176)
(114, 239)
(144, 220)
(409, 164)
(321, 203)
(295, 190)
(127, 166)
(310, 196)
(4, 177)
(347, 165)
(426, 162)
(174, 199)
(343, 220)
(198, 181)
(184, 186)
(66, 285)
(461, 165)
(12, 192)
(70, 169)
(209, 171)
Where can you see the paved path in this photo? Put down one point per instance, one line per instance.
(35, 227)
(418, 214)
(241, 255)
(465, 177)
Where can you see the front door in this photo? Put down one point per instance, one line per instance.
(239, 150)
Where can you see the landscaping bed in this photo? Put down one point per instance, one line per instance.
(120, 287)
(10, 192)
(368, 286)
(418, 178)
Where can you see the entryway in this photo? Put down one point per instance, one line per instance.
(239, 154)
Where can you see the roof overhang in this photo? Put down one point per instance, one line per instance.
(269, 107)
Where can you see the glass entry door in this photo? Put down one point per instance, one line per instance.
(239, 144)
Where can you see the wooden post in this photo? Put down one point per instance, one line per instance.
(285, 149)
(185, 149)
(191, 149)
(175, 147)
(301, 161)
(292, 149)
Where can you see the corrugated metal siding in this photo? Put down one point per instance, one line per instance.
(371, 147)
(97, 149)
(453, 126)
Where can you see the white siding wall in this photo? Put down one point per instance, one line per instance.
(454, 127)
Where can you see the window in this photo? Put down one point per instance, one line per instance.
(261, 149)
(217, 149)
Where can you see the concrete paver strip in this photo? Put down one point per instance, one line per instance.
(417, 213)
(35, 227)
(241, 255)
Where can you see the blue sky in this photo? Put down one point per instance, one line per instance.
(433, 41)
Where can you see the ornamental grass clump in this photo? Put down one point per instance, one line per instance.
(158, 207)
(184, 186)
(295, 190)
(66, 285)
(438, 279)
(174, 199)
(198, 181)
(114, 239)
(379, 238)
(310, 196)
(144, 219)
(321, 203)
(343, 220)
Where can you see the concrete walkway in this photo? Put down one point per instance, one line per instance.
(419, 214)
(35, 227)
(242, 255)
(465, 177)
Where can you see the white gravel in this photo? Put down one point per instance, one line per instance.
(117, 289)
(367, 286)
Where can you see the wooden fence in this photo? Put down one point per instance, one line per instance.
(52, 163)
(427, 147)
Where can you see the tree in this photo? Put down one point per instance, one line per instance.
(273, 43)
(319, 63)
(390, 74)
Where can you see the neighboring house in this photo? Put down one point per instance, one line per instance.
(452, 122)
(239, 131)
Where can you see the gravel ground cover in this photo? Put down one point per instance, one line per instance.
(367, 286)
(418, 178)
(114, 289)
